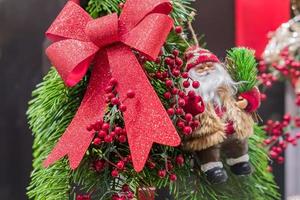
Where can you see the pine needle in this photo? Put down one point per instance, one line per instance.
(241, 65)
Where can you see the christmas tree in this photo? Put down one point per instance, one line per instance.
(108, 169)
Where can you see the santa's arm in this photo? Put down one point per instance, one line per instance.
(253, 99)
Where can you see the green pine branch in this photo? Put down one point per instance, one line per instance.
(181, 9)
(241, 65)
(49, 113)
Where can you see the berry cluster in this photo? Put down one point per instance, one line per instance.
(279, 137)
(168, 170)
(112, 95)
(176, 96)
(287, 65)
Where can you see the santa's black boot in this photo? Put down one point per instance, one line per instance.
(241, 169)
(214, 172)
(216, 175)
(240, 166)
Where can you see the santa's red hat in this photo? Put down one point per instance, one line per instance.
(196, 56)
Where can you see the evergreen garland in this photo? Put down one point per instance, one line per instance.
(54, 105)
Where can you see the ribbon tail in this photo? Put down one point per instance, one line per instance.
(76, 139)
(146, 120)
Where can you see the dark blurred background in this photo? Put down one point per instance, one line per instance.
(22, 65)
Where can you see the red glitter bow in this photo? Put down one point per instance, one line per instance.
(107, 42)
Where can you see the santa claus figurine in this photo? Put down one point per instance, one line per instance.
(226, 122)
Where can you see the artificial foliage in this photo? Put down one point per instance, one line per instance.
(241, 64)
(106, 171)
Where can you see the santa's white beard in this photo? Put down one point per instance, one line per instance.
(210, 81)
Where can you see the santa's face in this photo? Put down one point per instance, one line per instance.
(211, 77)
(205, 68)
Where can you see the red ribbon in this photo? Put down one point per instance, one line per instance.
(254, 19)
(106, 42)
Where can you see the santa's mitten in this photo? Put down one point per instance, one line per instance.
(194, 105)
(253, 98)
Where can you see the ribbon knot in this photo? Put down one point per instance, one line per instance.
(103, 31)
(107, 43)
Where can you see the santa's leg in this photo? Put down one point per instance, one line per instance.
(211, 165)
(237, 156)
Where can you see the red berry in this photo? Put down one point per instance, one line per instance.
(151, 165)
(99, 165)
(287, 117)
(115, 101)
(174, 91)
(113, 82)
(105, 126)
(114, 173)
(196, 123)
(168, 95)
(186, 84)
(102, 134)
(169, 83)
(110, 95)
(178, 29)
(130, 94)
(98, 125)
(188, 117)
(89, 128)
(187, 130)
(162, 173)
(185, 75)
(179, 62)
(122, 108)
(171, 111)
(298, 135)
(176, 73)
(273, 154)
(112, 134)
(180, 160)
(180, 124)
(118, 130)
(170, 166)
(169, 61)
(196, 84)
(269, 169)
(108, 89)
(280, 160)
(108, 139)
(179, 111)
(125, 188)
(121, 5)
(181, 94)
(120, 165)
(175, 52)
(192, 94)
(263, 96)
(97, 141)
(122, 138)
(181, 102)
(267, 141)
(173, 177)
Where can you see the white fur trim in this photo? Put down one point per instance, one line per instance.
(208, 166)
(233, 161)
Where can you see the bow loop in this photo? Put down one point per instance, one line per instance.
(103, 31)
(71, 70)
(70, 24)
(149, 35)
(133, 12)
